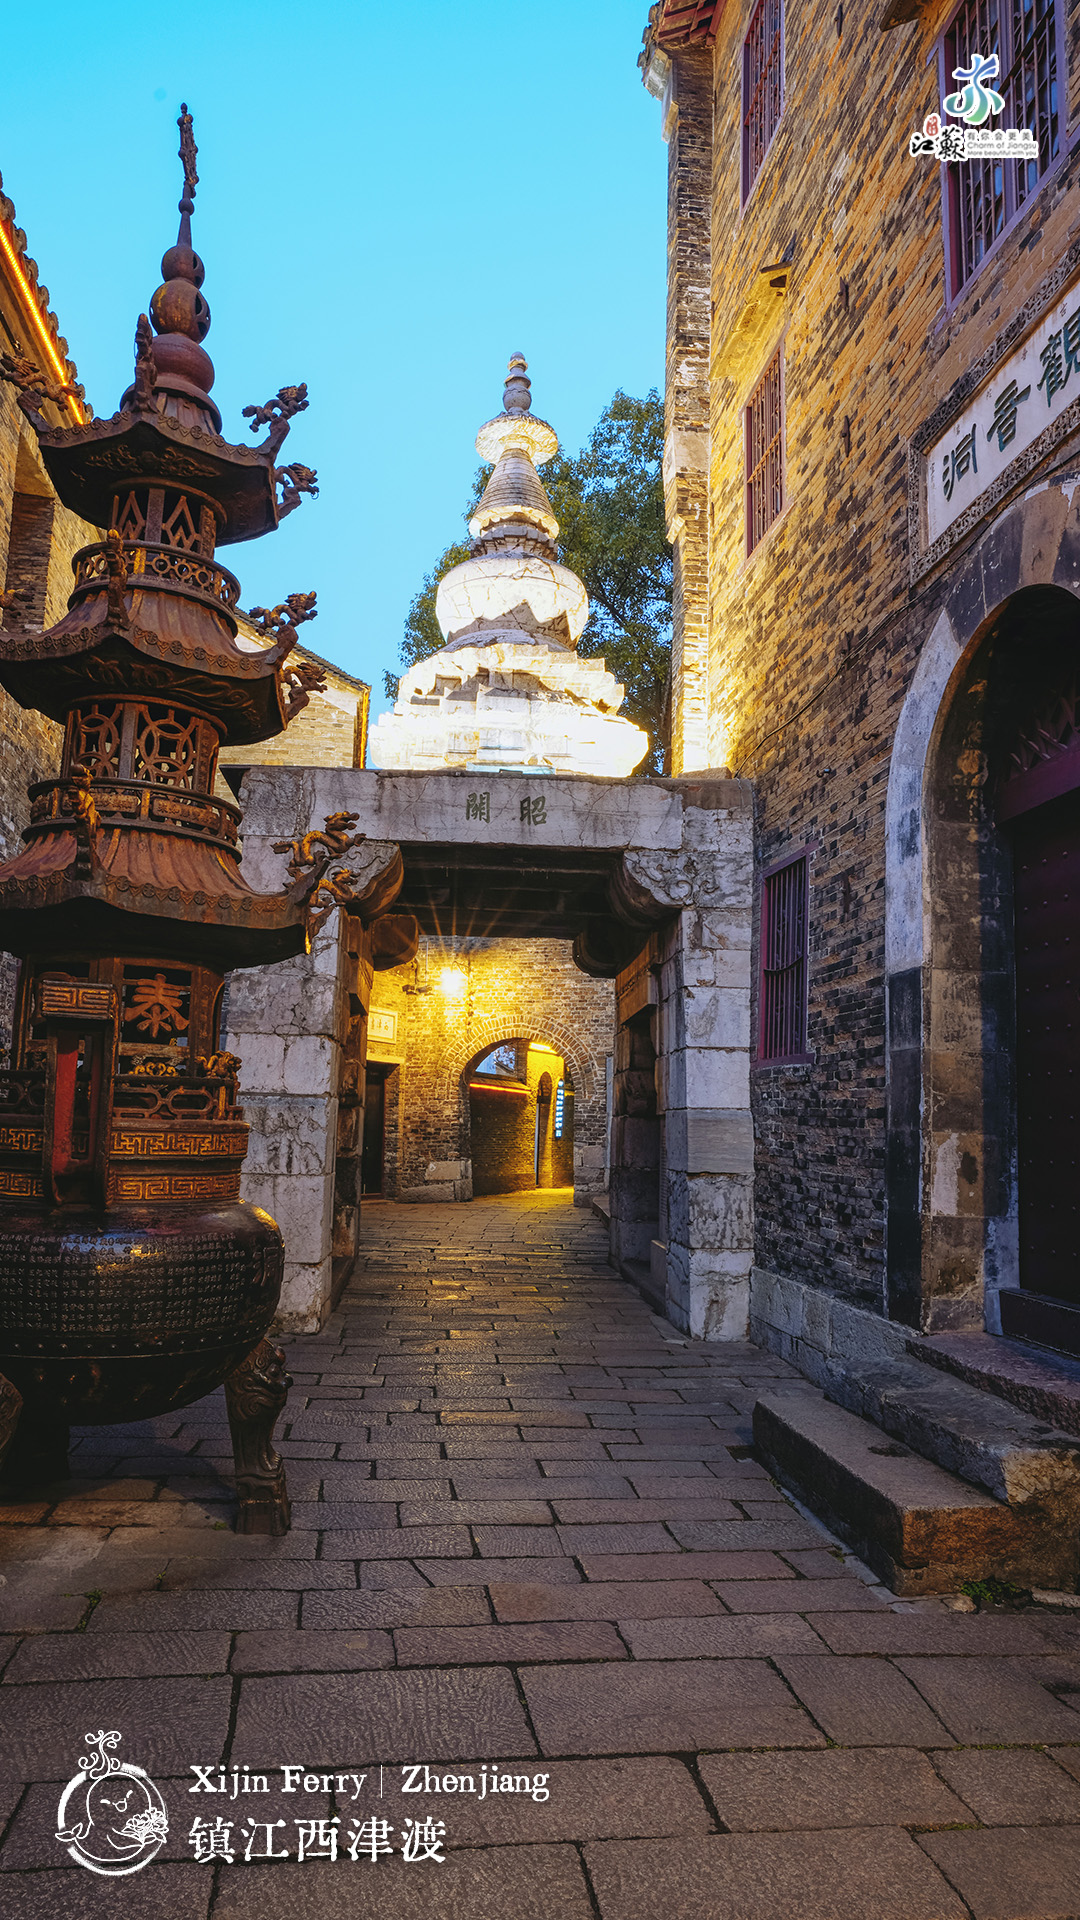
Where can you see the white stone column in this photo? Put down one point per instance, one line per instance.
(283, 1023)
(703, 1063)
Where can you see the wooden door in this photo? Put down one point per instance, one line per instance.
(1047, 908)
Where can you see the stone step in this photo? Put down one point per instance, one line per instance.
(1017, 1458)
(921, 1529)
(1044, 1385)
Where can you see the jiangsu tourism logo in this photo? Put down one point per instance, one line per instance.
(111, 1817)
(972, 105)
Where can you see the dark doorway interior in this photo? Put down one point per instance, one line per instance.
(1046, 892)
(374, 1156)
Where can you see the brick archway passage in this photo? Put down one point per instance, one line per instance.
(616, 865)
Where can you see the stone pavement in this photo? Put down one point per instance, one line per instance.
(530, 1542)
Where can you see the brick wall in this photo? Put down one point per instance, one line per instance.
(516, 989)
(813, 639)
(504, 1124)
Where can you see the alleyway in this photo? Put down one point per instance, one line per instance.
(526, 1531)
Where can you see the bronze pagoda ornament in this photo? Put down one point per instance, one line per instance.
(133, 1279)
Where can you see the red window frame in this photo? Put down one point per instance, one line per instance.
(764, 445)
(983, 198)
(762, 87)
(782, 996)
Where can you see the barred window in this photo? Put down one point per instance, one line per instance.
(762, 86)
(765, 453)
(983, 197)
(782, 1023)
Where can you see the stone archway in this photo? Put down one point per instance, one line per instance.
(953, 1193)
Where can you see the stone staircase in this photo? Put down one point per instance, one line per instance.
(932, 1479)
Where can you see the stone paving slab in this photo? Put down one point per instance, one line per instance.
(878, 1875)
(780, 1792)
(986, 1701)
(527, 1882)
(602, 1600)
(367, 1718)
(863, 1703)
(513, 1643)
(159, 1893)
(1015, 1873)
(663, 1706)
(1012, 1788)
(396, 1607)
(117, 1656)
(169, 1724)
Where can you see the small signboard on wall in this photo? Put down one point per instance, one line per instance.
(382, 1026)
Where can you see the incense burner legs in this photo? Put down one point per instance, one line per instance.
(255, 1394)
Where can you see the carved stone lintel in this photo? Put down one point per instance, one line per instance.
(10, 1409)
(255, 1394)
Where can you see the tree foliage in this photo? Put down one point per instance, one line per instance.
(609, 503)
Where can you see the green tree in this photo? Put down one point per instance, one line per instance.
(609, 502)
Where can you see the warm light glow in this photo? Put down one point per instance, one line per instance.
(452, 983)
(541, 1046)
(34, 316)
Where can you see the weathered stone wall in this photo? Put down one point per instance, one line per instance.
(516, 989)
(815, 636)
(37, 539)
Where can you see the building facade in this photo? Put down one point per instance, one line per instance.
(873, 447)
(38, 536)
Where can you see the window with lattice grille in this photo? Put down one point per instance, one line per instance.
(762, 86)
(984, 197)
(765, 453)
(782, 1015)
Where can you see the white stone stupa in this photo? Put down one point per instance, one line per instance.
(508, 689)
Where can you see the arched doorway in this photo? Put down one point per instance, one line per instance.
(521, 1118)
(1001, 1041)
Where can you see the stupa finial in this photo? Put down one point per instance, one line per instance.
(517, 393)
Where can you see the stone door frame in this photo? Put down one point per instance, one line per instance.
(951, 1223)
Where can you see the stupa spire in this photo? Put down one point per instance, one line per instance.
(510, 687)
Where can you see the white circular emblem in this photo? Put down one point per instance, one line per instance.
(111, 1817)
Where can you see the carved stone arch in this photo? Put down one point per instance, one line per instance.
(952, 1175)
(585, 1072)
(456, 1066)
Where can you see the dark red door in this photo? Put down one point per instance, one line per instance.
(1047, 899)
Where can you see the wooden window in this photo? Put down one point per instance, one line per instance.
(765, 453)
(782, 1019)
(984, 197)
(762, 86)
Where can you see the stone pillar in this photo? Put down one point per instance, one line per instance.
(703, 1250)
(283, 1022)
(299, 1030)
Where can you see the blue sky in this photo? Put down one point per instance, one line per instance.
(392, 199)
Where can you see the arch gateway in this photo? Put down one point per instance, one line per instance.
(650, 880)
